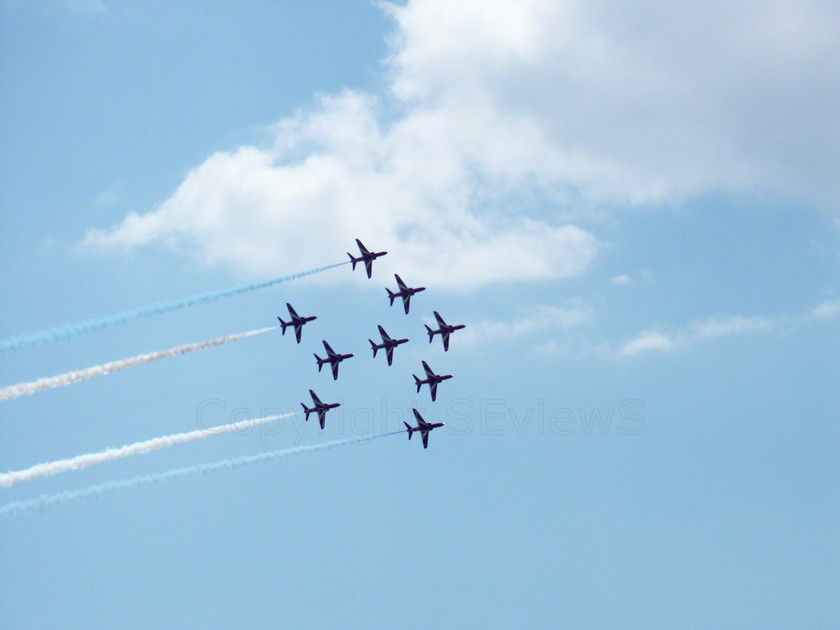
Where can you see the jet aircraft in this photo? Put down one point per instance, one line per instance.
(318, 406)
(333, 358)
(404, 292)
(366, 257)
(295, 320)
(387, 343)
(431, 380)
(444, 330)
(422, 426)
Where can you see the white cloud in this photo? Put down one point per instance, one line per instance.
(827, 310)
(647, 341)
(635, 101)
(621, 279)
(719, 327)
(334, 174)
(542, 319)
(714, 327)
(110, 195)
(93, 7)
(548, 349)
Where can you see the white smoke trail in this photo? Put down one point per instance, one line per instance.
(69, 331)
(45, 502)
(110, 454)
(68, 378)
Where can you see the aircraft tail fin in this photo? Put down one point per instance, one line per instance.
(320, 362)
(410, 429)
(306, 412)
(373, 345)
(431, 332)
(417, 382)
(353, 259)
(283, 325)
(391, 295)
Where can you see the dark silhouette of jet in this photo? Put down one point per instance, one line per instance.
(318, 406)
(387, 343)
(422, 426)
(295, 320)
(333, 358)
(366, 257)
(431, 380)
(444, 330)
(404, 292)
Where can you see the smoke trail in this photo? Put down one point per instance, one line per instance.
(138, 448)
(45, 502)
(68, 378)
(72, 330)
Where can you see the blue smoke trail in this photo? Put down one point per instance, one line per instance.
(45, 502)
(72, 330)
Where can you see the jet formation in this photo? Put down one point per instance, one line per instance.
(387, 344)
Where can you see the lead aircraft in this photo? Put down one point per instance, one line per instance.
(366, 257)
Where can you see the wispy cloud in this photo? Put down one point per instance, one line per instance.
(91, 7)
(647, 341)
(542, 319)
(715, 327)
(826, 310)
(621, 279)
(738, 324)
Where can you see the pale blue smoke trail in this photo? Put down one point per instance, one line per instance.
(69, 331)
(45, 502)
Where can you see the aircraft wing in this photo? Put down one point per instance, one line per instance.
(329, 350)
(406, 301)
(291, 310)
(362, 248)
(445, 342)
(384, 335)
(389, 352)
(433, 387)
(321, 416)
(315, 398)
(335, 370)
(369, 266)
(298, 326)
(419, 418)
(441, 323)
(400, 283)
(429, 372)
(425, 439)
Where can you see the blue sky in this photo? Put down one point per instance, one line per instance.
(625, 225)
